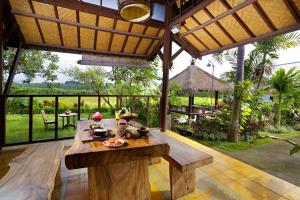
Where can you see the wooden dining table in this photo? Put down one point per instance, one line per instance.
(115, 173)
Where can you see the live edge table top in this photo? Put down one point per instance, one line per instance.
(92, 153)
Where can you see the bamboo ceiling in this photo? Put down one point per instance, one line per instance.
(207, 26)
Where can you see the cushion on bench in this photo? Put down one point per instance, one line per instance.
(32, 174)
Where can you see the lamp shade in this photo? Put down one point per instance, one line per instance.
(135, 10)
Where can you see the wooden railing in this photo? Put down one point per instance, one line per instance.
(117, 106)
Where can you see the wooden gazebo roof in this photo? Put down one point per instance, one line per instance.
(206, 26)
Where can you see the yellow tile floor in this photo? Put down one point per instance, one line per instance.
(226, 178)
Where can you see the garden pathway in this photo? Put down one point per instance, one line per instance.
(274, 159)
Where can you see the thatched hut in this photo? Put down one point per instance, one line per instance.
(193, 80)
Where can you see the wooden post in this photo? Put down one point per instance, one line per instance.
(78, 107)
(148, 111)
(1, 46)
(216, 99)
(117, 102)
(166, 66)
(2, 98)
(30, 117)
(56, 117)
(99, 103)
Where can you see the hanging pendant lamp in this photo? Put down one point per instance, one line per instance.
(135, 10)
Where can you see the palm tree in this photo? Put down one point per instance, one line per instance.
(266, 51)
(283, 82)
(234, 122)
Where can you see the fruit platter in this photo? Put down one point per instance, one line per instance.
(114, 142)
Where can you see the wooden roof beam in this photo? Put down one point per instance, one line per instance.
(59, 26)
(96, 10)
(220, 26)
(238, 19)
(96, 33)
(37, 21)
(126, 38)
(177, 53)
(198, 39)
(77, 24)
(217, 18)
(191, 12)
(207, 32)
(293, 9)
(264, 16)
(266, 36)
(152, 42)
(188, 47)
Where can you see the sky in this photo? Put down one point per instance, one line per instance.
(180, 63)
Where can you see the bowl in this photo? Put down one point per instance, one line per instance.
(99, 132)
(129, 117)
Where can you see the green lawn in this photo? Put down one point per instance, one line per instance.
(243, 145)
(17, 127)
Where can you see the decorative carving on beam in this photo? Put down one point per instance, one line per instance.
(264, 16)
(238, 19)
(37, 21)
(220, 26)
(217, 18)
(96, 10)
(266, 36)
(12, 70)
(21, 13)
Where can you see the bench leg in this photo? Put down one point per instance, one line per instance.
(182, 183)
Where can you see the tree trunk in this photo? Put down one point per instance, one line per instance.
(278, 113)
(261, 75)
(233, 133)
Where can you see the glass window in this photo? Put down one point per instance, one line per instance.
(113, 4)
(96, 2)
(158, 12)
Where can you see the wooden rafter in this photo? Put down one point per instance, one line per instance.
(293, 9)
(191, 12)
(37, 21)
(78, 29)
(64, 49)
(266, 36)
(207, 32)
(208, 13)
(96, 33)
(221, 16)
(96, 10)
(264, 16)
(152, 42)
(238, 19)
(81, 25)
(140, 40)
(112, 36)
(126, 38)
(59, 26)
(188, 47)
(198, 39)
(177, 53)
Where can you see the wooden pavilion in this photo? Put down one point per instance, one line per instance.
(193, 80)
(95, 26)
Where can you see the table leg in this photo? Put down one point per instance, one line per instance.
(124, 181)
(63, 121)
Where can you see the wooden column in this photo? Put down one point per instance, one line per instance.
(78, 108)
(2, 98)
(216, 99)
(166, 66)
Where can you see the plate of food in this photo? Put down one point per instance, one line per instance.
(113, 142)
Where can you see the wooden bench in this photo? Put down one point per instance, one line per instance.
(34, 173)
(183, 162)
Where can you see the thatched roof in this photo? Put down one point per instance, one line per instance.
(193, 80)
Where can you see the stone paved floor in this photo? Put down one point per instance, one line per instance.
(226, 178)
(274, 158)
